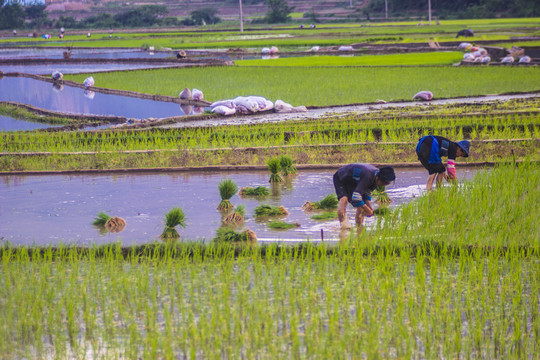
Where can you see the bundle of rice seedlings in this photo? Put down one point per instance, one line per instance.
(286, 163)
(251, 191)
(236, 217)
(269, 210)
(329, 202)
(115, 224)
(106, 223)
(380, 195)
(328, 215)
(308, 206)
(101, 219)
(231, 236)
(274, 166)
(382, 211)
(175, 217)
(281, 225)
(227, 189)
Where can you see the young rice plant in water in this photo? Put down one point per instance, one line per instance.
(274, 166)
(227, 189)
(175, 217)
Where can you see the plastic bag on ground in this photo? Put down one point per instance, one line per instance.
(245, 106)
(197, 94)
(89, 81)
(282, 107)
(185, 94)
(57, 75)
(223, 110)
(424, 95)
(226, 103)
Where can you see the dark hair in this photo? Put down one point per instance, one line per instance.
(387, 174)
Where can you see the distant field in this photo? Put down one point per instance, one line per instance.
(324, 86)
(433, 58)
(290, 36)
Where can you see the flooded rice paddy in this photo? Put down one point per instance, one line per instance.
(56, 209)
(65, 68)
(73, 100)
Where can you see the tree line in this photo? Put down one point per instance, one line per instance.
(13, 15)
(453, 9)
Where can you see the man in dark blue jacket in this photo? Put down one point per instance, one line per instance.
(431, 148)
(354, 183)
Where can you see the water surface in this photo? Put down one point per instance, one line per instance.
(73, 100)
(56, 209)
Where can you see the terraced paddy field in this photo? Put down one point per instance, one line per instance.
(451, 273)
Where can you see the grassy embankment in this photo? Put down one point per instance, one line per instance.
(386, 136)
(454, 274)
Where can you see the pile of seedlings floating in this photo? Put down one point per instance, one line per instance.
(236, 217)
(328, 203)
(258, 191)
(228, 235)
(105, 223)
(175, 217)
(282, 225)
(327, 215)
(265, 210)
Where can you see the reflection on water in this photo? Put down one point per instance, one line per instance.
(60, 208)
(10, 124)
(68, 99)
(47, 69)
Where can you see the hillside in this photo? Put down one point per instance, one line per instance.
(227, 9)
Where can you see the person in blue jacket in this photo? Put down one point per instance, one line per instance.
(431, 148)
(354, 184)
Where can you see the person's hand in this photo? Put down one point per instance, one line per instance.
(367, 211)
(451, 176)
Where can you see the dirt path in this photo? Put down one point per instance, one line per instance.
(340, 111)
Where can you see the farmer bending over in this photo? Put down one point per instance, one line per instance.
(431, 148)
(354, 183)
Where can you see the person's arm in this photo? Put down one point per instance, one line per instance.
(363, 201)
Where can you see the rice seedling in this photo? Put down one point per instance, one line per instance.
(228, 235)
(382, 211)
(101, 219)
(259, 191)
(327, 215)
(175, 217)
(269, 210)
(286, 165)
(236, 217)
(330, 201)
(227, 189)
(106, 223)
(381, 196)
(274, 166)
(282, 225)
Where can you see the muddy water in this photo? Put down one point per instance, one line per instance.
(77, 53)
(10, 124)
(47, 69)
(59, 209)
(68, 99)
